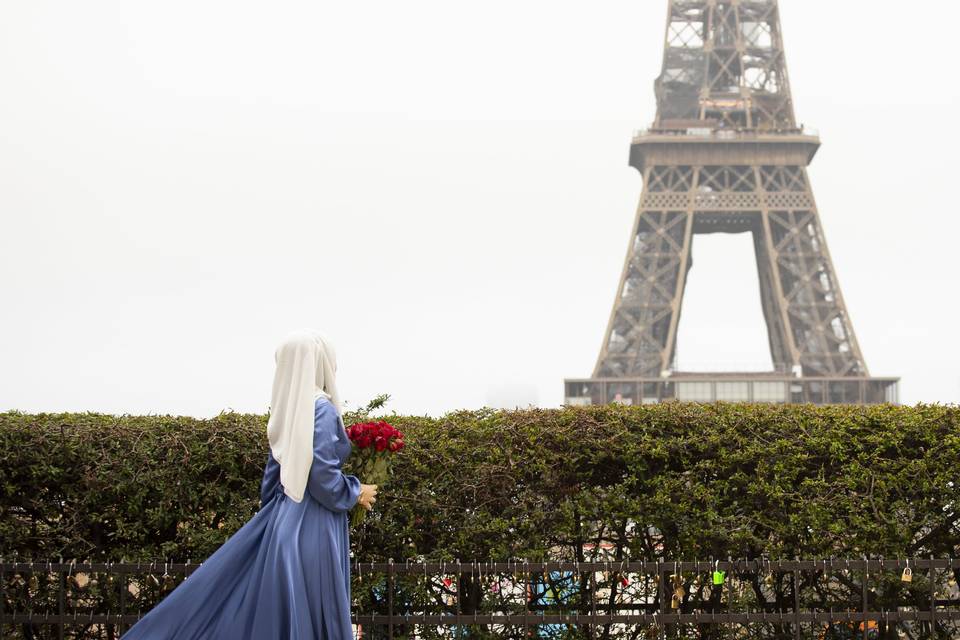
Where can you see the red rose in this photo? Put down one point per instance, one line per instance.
(355, 431)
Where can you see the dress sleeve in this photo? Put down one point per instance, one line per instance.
(271, 478)
(327, 484)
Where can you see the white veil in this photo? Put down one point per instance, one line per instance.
(306, 369)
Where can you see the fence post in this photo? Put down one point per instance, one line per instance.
(664, 581)
(796, 599)
(390, 597)
(29, 574)
(61, 597)
(459, 595)
(863, 595)
(593, 601)
(933, 599)
(526, 597)
(3, 593)
(122, 584)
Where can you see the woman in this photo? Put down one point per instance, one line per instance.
(286, 573)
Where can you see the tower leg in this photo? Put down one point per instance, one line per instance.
(641, 333)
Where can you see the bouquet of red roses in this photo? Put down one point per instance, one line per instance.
(374, 444)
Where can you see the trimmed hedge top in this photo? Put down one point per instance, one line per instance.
(673, 480)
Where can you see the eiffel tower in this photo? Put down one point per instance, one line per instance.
(725, 155)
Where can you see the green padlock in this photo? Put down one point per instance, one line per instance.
(718, 577)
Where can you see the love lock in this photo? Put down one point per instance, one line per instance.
(718, 575)
(907, 575)
(678, 594)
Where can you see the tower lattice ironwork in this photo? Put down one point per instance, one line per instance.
(725, 154)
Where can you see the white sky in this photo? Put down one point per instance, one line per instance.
(440, 186)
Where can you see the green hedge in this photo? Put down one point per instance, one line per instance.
(675, 480)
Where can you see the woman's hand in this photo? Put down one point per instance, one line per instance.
(368, 493)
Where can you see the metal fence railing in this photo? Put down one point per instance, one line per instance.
(757, 598)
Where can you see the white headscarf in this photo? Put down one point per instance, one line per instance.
(306, 369)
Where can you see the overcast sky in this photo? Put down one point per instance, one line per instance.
(442, 187)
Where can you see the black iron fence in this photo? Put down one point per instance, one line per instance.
(758, 598)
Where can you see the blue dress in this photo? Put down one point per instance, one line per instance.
(285, 574)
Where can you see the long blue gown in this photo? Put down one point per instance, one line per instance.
(285, 574)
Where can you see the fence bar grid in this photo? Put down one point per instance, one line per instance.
(665, 605)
